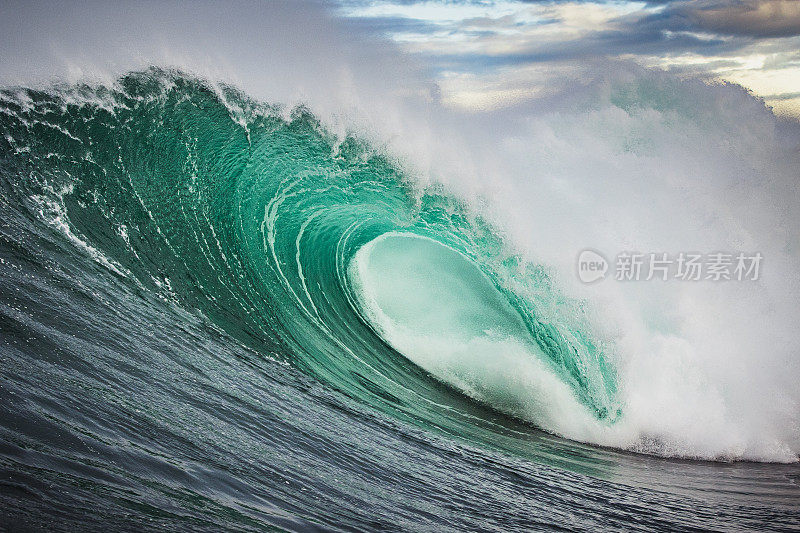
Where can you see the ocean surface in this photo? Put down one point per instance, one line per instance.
(217, 315)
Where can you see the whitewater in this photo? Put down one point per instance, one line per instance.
(281, 296)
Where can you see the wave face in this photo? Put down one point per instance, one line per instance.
(251, 220)
(214, 309)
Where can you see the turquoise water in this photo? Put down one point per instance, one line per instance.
(218, 314)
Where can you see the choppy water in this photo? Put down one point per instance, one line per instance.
(216, 315)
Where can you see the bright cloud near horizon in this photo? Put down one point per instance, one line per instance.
(493, 53)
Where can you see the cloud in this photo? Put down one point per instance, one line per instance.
(754, 18)
(464, 42)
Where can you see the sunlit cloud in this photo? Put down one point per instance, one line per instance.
(485, 52)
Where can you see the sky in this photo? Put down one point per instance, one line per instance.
(489, 54)
(475, 54)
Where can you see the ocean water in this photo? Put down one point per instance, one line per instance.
(217, 314)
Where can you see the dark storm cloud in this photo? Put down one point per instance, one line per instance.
(753, 18)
